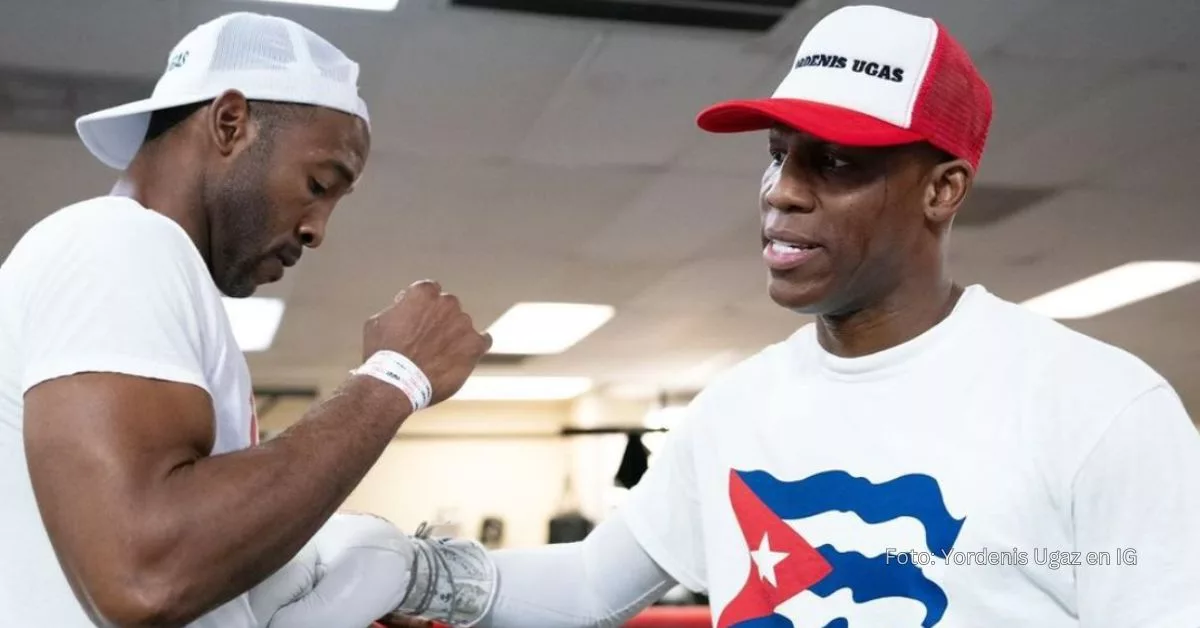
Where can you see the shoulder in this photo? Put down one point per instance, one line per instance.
(109, 257)
(110, 219)
(1069, 388)
(755, 375)
(107, 233)
(1074, 362)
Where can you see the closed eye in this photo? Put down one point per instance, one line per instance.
(316, 188)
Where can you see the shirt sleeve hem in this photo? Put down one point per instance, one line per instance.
(658, 551)
(38, 373)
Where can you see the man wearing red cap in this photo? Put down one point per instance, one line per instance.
(924, 454)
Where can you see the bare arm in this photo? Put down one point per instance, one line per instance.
(153, 533)
(118, 422)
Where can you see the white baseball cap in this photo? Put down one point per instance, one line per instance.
(263, 57)
(873, 76)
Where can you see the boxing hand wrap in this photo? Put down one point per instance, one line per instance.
(360, 568)
(452, 581)
(400, 372)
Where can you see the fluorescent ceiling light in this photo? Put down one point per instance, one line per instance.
(546, 328)
(1114, 288)
(516, 388)
(364, 5)
(255, 321)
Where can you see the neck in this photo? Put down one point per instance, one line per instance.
(160, 179)
(907, 312)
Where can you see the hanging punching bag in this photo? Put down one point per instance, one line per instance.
(634, 462)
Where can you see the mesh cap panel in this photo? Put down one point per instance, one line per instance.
(245, 43)
(262, 56)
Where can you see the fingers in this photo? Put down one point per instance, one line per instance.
(429, 285)
(424, 287)
(428, 289)
(428, 327)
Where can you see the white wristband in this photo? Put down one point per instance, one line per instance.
(400, 372)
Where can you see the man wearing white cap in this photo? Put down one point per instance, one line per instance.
(924, 454)
(134, 490)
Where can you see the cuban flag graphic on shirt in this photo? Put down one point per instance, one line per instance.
(784, 564)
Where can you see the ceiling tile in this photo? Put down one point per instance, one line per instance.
(1117, 124)
(1104, 30)
(1028, 95)
(634, 100)
(430, 204)
(1074, 235)
(462, 85)
(109, 37)
(704, 285)
(1169, 170)
(33, 189)
(675, 218)
(739, 154)
(1186, 47)
(499, 232)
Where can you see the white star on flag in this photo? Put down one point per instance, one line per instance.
(766, 560)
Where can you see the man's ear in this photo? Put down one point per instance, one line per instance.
(948, 185)
(229, 123)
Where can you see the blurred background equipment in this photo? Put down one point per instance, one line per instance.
(491, 532)
(569, 525)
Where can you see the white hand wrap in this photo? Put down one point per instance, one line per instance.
(452, 581)
(400, 372)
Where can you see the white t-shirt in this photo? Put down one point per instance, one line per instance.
(101, 286)
(998, 471)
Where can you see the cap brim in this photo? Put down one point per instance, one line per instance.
(114, 135)
(830, 123)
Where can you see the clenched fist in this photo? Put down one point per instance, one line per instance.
(430, 328)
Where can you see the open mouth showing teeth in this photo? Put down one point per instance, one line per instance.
(787, 247)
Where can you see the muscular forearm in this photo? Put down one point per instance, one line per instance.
(221, 524)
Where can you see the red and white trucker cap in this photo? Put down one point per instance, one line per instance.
(873, 76)
(264, 57)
